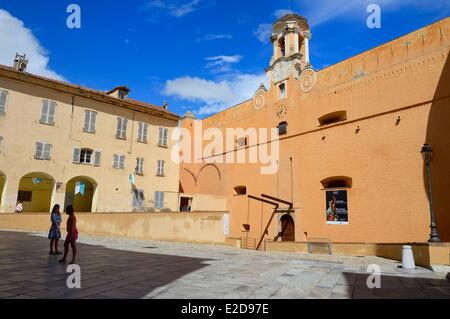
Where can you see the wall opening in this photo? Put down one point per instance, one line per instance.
(81, 193)
(333, 117)
(282, 46)
(186, 204)
(287, 228)
(240, 190)
(337, 182)
(282, 128)
(36, 192)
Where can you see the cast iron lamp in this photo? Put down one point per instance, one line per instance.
(427, 153)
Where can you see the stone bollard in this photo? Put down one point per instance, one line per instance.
(408, 258)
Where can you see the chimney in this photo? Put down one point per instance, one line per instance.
(165, 105)
(20, 63)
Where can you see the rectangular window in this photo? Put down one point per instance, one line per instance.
(119, 161)
(139, 166)
(97, 158)
(163, 136)
(282, 88)
(89, 121)
(142, 132)
(86, 156)
(43, 151)
(24, 196)
(159, 200)
(282, 128)
(122, 128)
(241, 142)
(3, 101)
(138, 198)
(48, 112)
(161, 167)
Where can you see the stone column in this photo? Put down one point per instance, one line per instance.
(307, 36)
(287, 44)
(296, 43)
(9, 195)
(275, 50)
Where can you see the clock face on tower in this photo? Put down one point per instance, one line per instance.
(281, 112)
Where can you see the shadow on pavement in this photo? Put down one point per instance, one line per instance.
(395, 287)
(28, 271)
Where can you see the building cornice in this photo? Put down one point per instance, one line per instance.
(87, 93)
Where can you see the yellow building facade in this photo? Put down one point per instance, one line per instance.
(65, 144)
(350, 136)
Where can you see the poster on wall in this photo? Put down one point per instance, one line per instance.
(337, 207)
(226, 224)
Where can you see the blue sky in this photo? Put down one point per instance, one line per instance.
(199, 55)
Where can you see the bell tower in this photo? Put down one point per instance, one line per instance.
(290, 39)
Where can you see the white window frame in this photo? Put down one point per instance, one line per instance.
(161, 169)
(48, 112)
(97, 158)
(90, 122)
(122, 125)
(280, 96)
(142, 132)
(163, 137)
(140, 166)
(159, 200)
(118, 161)
(91, 156)
(3, 107)
(42, 151)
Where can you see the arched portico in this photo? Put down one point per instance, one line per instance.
(81, 192)
(36, 192)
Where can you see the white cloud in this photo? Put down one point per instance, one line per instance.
(222, 63)
(16, 38)
(186, 8)
(215, 95)
(281, 12)
(214, 36)
(322, 11)
(175, 8)
(263, 32)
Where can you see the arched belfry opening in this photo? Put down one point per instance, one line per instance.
(291, 35)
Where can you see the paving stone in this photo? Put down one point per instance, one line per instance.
(117, 268)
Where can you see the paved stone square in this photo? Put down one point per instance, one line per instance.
(122, 268)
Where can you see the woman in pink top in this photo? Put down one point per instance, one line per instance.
(72, 235)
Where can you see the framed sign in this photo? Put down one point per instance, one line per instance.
(337, 207)
(226, 224)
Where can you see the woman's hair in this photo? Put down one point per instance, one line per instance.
(55, 208)
(69, 210)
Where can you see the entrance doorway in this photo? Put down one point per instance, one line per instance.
(287, 228)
